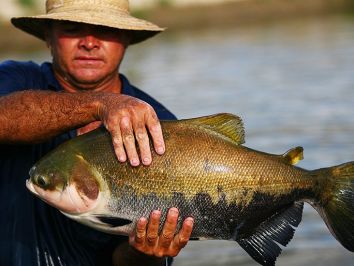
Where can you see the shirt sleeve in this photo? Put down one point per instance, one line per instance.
(18, 76)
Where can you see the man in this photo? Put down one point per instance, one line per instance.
(41, 106)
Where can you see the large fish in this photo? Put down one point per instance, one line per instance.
(232, 191)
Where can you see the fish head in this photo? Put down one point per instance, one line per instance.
(65, 181)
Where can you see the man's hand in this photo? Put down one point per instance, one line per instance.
(147, 240)
(128, 119)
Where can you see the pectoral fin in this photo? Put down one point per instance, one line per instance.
(262, 243)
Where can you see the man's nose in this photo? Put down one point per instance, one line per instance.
(89, 42)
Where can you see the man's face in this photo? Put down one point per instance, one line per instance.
(86, 56)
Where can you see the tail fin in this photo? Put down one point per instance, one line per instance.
(336, 204)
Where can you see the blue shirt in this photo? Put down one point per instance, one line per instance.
(32, 232)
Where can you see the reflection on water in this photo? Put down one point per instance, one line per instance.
(293, 84)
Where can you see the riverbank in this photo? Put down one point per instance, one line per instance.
(242, 12)
(194, 17)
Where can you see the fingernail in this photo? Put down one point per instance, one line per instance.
(134, 162)
(122, 158)
(142, 220)
(173, 211)
(160, 150)
(146, 160)
(156, 213)
(190, 220)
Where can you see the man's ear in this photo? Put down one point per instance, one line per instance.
(47, 39)
(47, 43)
(127, 36)
(48, 34)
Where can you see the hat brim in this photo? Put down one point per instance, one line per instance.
(140, 29)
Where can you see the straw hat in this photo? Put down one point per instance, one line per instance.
(110, 13)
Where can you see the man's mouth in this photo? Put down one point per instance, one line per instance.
(89, 60)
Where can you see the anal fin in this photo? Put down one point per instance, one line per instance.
(262, 244)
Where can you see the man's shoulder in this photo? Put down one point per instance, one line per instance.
(22, 75)
(19, 66)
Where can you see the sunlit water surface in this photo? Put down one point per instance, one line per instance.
(292, 82)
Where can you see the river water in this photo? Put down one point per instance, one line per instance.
(292, 82)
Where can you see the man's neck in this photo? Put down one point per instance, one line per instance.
(112, 84)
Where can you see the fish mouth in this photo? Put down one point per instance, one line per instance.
(68, 201)
(57, 198)
(30, 187)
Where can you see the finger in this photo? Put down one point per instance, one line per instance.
(169, 228)
(129, 141)
(154, 127)
(182, 238)
(153, 228)
(143, 141)
(140, 232)
(118, 144)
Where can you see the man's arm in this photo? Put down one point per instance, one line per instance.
(34, 116)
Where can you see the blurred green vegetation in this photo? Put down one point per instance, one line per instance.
(27, 3)
(165, 3)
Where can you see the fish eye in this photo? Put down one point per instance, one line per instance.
(42, 181)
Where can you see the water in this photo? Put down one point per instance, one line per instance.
(292, 82)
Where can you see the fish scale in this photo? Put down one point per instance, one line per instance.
(233, 192)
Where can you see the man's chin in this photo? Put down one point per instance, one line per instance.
(88, 82)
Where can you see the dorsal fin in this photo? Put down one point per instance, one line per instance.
(228, 125)
(294, 155)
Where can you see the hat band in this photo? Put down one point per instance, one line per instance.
(58, 6)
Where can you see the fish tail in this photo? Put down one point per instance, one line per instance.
(336, 201)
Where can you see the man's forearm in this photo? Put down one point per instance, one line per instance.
(32, 116)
